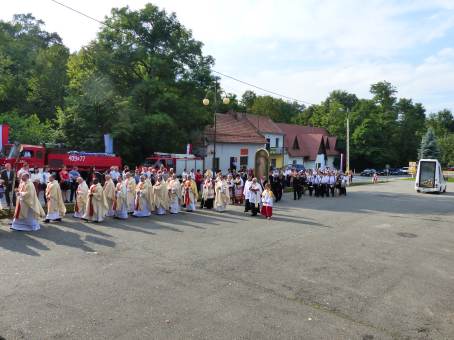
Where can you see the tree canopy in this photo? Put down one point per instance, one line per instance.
(429, 146)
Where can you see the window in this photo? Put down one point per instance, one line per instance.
(243, 161)
(273, 163)
(39, 154)
(277, 142)
(268, 144)
(27, 154)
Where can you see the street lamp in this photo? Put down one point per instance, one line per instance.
(206, 102)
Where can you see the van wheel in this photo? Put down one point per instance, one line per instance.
(418, 191)
(444, 190)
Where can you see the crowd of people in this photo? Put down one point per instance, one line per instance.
(138, 193)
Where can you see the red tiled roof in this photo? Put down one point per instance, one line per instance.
(234, 128)
(309, 140)
(263, 124)
(301, 129)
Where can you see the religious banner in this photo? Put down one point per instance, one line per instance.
(262, 163)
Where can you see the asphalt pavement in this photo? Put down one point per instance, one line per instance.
(377, 264)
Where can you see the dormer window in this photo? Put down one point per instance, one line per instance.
(296, 145)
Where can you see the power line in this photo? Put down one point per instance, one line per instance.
(214, 71)
(261, 88)
(79, 12)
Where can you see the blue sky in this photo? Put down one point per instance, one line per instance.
(300, 48)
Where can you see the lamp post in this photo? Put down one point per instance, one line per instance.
(206, 102)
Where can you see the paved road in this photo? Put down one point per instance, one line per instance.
(378, 264)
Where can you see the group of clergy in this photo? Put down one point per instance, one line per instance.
(136, 199)
(128, 198)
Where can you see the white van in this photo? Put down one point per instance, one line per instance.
(429, 177)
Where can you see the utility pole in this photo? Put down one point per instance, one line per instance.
(215, 110)
(347, 161)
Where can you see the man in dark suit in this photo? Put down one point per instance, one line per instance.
(7, 175)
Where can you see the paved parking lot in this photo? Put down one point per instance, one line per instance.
(378, 264)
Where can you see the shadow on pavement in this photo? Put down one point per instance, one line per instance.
(21, 242)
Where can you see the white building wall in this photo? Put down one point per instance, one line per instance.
(226, 150)
(330, 162)
(272, 138)
(288, 160)
(321, 161)
(309, 165)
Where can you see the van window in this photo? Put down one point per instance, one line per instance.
(39, 154)
(427, 174)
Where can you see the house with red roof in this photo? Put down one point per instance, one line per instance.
(237, 141)
(238, 136)
(274, 137)
(309, 146)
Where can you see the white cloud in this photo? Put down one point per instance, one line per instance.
(303, 48)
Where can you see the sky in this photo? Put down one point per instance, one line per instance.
(303, 49)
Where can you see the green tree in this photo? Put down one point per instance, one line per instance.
(277, 109)
(32, 68)
(411, 127)
(28, 130)
(247, 100)
(429, 146)
(446, 144)
(142, 80)
(441, 122)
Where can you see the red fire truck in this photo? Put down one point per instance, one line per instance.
(37, 156)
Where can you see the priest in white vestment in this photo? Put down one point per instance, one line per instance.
(96, 208)
(142, 204)
(174, 189)
(120, 206)
(56, 208)
(109, 193)
(190, 194)
(160, 196)
(81, 198)
(130, 191)
(28, 208)
(222, 197)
